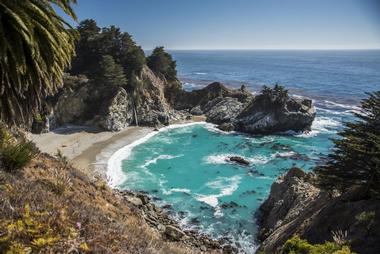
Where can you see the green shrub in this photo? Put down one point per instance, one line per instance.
(15, 155)
(296, 245)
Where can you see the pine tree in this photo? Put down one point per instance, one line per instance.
(356, 156)
(111, 73)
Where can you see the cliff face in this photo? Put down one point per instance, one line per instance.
(297, 207)
(113, 108)
(158, 102)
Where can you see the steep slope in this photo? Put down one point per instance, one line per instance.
(297, 207)
(50, 207)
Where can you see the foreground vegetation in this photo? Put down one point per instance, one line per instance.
(36, 47)
(50, 207)
(295, 245)
(355, 160)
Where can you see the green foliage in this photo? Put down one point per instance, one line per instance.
(96, 43)
(111, 73)
(367, 219)
(276, 96)
(14, 155)
(356, 157)
(36, 47)
(296, 245)
(162, 63)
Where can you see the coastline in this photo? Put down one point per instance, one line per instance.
(89, 148)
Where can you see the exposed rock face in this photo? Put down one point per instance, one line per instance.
(118, 114)
(257, 118)
(112, 108)
(223, 110)
(296, 206)
(189, 100)
(246, 113)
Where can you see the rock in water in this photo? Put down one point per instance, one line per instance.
(260, 118)
(239, 160)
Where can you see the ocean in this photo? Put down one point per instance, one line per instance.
(184, 166)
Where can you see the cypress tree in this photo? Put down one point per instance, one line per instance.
(111, 73)
(355, 159)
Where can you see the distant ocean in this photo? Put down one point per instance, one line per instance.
(185, 166)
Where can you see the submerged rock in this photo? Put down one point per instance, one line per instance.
(239, 160)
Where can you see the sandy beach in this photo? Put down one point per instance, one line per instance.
(88, 148)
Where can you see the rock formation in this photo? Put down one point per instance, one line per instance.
(113, 108)
(257, 118)
(297, 207)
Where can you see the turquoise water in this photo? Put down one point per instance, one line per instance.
(186, 167)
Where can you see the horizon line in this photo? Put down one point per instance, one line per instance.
(267, 49)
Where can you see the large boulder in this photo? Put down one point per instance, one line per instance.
(296, 206)
(118, 114)
(296, 114)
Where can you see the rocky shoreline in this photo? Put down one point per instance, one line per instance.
(159, 219)
(297, 206)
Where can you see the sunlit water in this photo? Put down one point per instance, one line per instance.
(186, 166)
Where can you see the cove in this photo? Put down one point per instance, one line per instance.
(184, 169)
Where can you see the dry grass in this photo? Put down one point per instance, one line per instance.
(49, 207)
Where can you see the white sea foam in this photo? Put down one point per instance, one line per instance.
(226, 187)
(325, 124)
(200, 73)
(331, 104)
(160, 157)
(223, 159)
(284, 154)
(115, 174)
(171, 191)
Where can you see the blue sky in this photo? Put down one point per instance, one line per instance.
(242, 24)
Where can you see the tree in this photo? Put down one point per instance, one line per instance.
(111, 73)
(36, 45)
(162, 63)
(276, 96)
(356, 157)
(96, 43)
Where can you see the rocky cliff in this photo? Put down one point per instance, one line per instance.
(114, 108)
(159, 102)
(297, 207)
(239, 110)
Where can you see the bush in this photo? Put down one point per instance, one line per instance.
(296, 245)
(15, 155)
